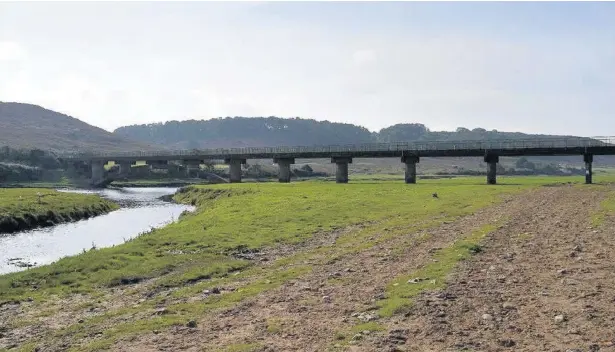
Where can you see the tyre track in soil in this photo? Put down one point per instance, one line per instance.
(545, 282)
(308, 321)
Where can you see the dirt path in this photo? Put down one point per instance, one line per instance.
(545, 282)
(306, 315)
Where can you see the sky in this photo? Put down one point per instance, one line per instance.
(545, 67)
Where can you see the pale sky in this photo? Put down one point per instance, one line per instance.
(531, 67)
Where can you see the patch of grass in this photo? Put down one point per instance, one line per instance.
(274, 325)
(400, 292)
(27, 208)
(607, 208)
(369, 326)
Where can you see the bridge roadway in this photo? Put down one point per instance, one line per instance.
(409, 153)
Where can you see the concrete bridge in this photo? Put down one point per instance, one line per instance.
(409, 154)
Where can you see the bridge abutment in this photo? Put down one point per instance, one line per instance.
(235, 169)
(410, 172)
(284, 168)
(588, 159)
(341, 171)
(492, 166)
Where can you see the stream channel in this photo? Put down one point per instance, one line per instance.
(140, 211)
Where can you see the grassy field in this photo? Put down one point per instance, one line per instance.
(26, 208)
(202, 249)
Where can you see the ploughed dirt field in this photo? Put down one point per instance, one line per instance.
(541, 279)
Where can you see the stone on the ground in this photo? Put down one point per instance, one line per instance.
(508, 306)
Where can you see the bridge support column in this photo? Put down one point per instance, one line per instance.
(284, 168)
(192, 164)
(588, 159)
(492, 161)
(235, 169)
(341, 172)
(410, 161)
(125, 167)
(98, 172)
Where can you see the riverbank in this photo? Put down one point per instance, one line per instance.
(318, 261)
(28, 208)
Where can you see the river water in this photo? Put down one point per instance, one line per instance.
(140, 211)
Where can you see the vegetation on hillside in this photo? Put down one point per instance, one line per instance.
(23, 209)
(243, 131)
(27, 126)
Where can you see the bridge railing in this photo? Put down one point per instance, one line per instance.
(510, 144)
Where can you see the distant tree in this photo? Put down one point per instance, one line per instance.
(407, 132)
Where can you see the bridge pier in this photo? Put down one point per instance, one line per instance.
(125, 167)
(192, 164)
(234, 169)
(98, 172)
(588, 159)
(492, 161)
(341, 172)
(410, 172)
(284, 168)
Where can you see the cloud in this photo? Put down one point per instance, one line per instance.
(12, 51)
(363, 57)
(269, 60)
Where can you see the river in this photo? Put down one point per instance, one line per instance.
(140, 211)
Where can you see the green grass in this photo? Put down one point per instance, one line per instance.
(607, 208)
(25, 208)
(243, 217)
(17, 201)
(369, 326)
(196, 253)
(399, 292)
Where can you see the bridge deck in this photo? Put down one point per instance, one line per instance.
(518, 147)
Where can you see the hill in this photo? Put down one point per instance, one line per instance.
(27, 126)
(274, 131)
(242, 131)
